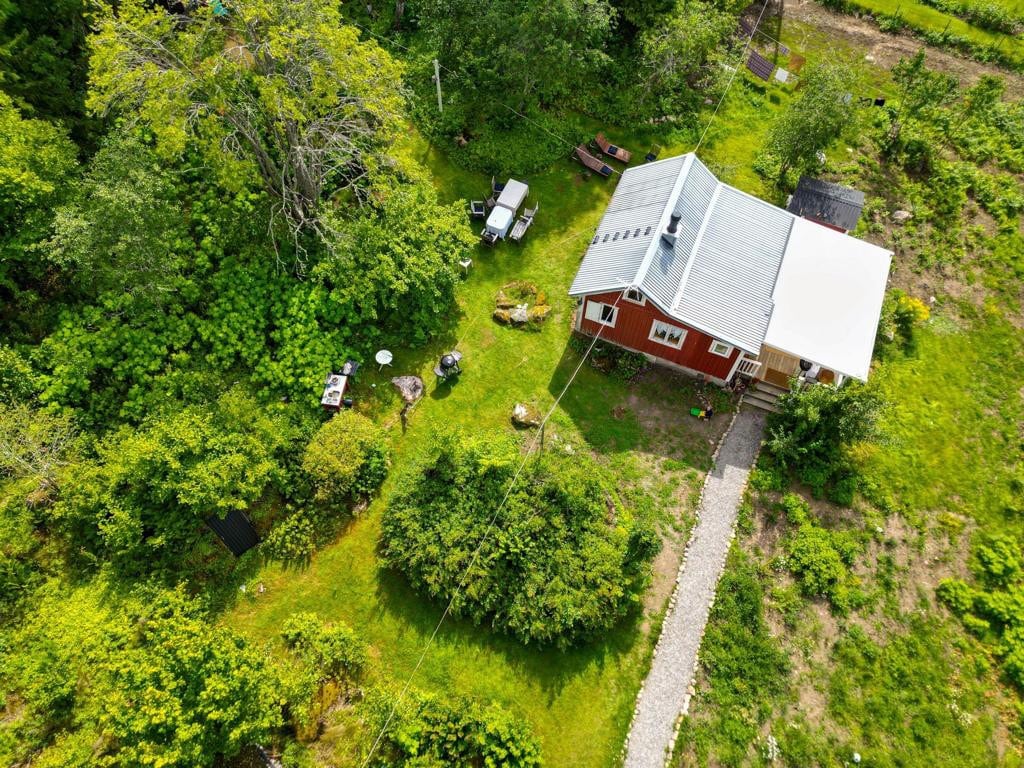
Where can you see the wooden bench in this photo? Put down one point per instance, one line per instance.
(595, 164)
(611, 150)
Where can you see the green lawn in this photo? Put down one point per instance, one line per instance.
(578, 702)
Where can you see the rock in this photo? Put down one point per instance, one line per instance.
(519, 315)
(503, 316)
(503, 301)
(901, 216)
(524, 415)
(409, 387)
(539, 312)
(868, 57)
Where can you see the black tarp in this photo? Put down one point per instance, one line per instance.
(235, 530)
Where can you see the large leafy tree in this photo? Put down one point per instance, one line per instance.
(920, 91)
(37, 160)
(279, 89)
(140, 680)
(523, 53)
(123, 229)
(814, 119)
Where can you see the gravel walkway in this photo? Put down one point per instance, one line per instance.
(666, 691)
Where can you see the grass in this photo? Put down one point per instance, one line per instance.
(950, 438)
(579, 702)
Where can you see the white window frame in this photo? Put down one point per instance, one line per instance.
(626, 297)
(665, 341)
(599, 318)
(715, 343)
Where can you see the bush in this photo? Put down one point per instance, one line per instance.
(609, 358)
(347, 459)
(563, 560)
(818, 557)
(814, 427)
(427, 732)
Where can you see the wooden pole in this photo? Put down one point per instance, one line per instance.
(437, 81)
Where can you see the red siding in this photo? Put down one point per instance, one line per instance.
(633, 328)
(826, 224)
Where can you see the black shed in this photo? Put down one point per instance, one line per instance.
(235, 530)
(830, 204)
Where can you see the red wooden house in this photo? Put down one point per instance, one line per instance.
(707, 279)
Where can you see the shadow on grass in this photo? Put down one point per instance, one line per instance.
(650, 413)
(548, 667)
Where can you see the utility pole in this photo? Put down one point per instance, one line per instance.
(437, 82)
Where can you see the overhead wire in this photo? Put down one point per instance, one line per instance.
(540, 431)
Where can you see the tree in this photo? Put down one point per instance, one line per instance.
(679, 54)
(123, 229)
(564, 560)
(920, 90)
(524, 53)
(34, 444)
(143, 679)
(43, 55)
(143, 501)
(274, 88)
(347, 458)
(814, 119)
(37, 160)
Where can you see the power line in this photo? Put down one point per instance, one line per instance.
(732, 76)
(479, 547)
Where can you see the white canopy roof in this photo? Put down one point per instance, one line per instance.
(828, 298)
(513, 194)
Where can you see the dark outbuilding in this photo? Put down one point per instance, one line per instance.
(235, 530)
(826, 203)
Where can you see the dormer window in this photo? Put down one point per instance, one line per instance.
(634, 295)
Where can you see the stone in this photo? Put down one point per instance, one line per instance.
(519, 315)
(409, 387)
(540, 312)
(524, 415)
(901, 216)
(503, 315)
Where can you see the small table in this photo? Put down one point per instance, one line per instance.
(383, 357)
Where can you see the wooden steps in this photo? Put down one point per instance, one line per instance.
(763, 395)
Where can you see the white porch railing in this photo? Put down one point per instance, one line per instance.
(748, 367)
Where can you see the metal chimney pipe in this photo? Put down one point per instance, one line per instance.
(673, 223)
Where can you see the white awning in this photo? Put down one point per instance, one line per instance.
(513, 194)
(828, 299)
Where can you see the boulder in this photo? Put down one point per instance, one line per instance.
(524, 415)
(503, 315)
(519, 315)
(409, 387)
(901, 216)
(539, 312)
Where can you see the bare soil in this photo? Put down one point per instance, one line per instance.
(885, 49)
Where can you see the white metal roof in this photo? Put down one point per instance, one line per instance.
(720, 273)
(828, 298)
(513, 194)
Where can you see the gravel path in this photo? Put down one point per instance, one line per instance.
(666, 691)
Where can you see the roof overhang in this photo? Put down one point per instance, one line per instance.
(828, 299)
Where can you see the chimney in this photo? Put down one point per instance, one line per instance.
(669, 235)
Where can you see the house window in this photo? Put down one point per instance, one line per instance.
(605, 314)
(634, 295)
(669, 335)
(720, 348)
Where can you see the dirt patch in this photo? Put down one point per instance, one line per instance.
(887, 49)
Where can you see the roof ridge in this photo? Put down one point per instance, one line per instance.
(697, 241)
(670, 206)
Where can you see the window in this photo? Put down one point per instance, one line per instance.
(669, 335)
(720, 348)
(634, 295)
(605, 314)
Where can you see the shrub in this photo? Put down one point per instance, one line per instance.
(428, 732)
(609, 358)
(346, 459)
(291, 540)
(814, 427)
(563, 560)
(818, 557)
